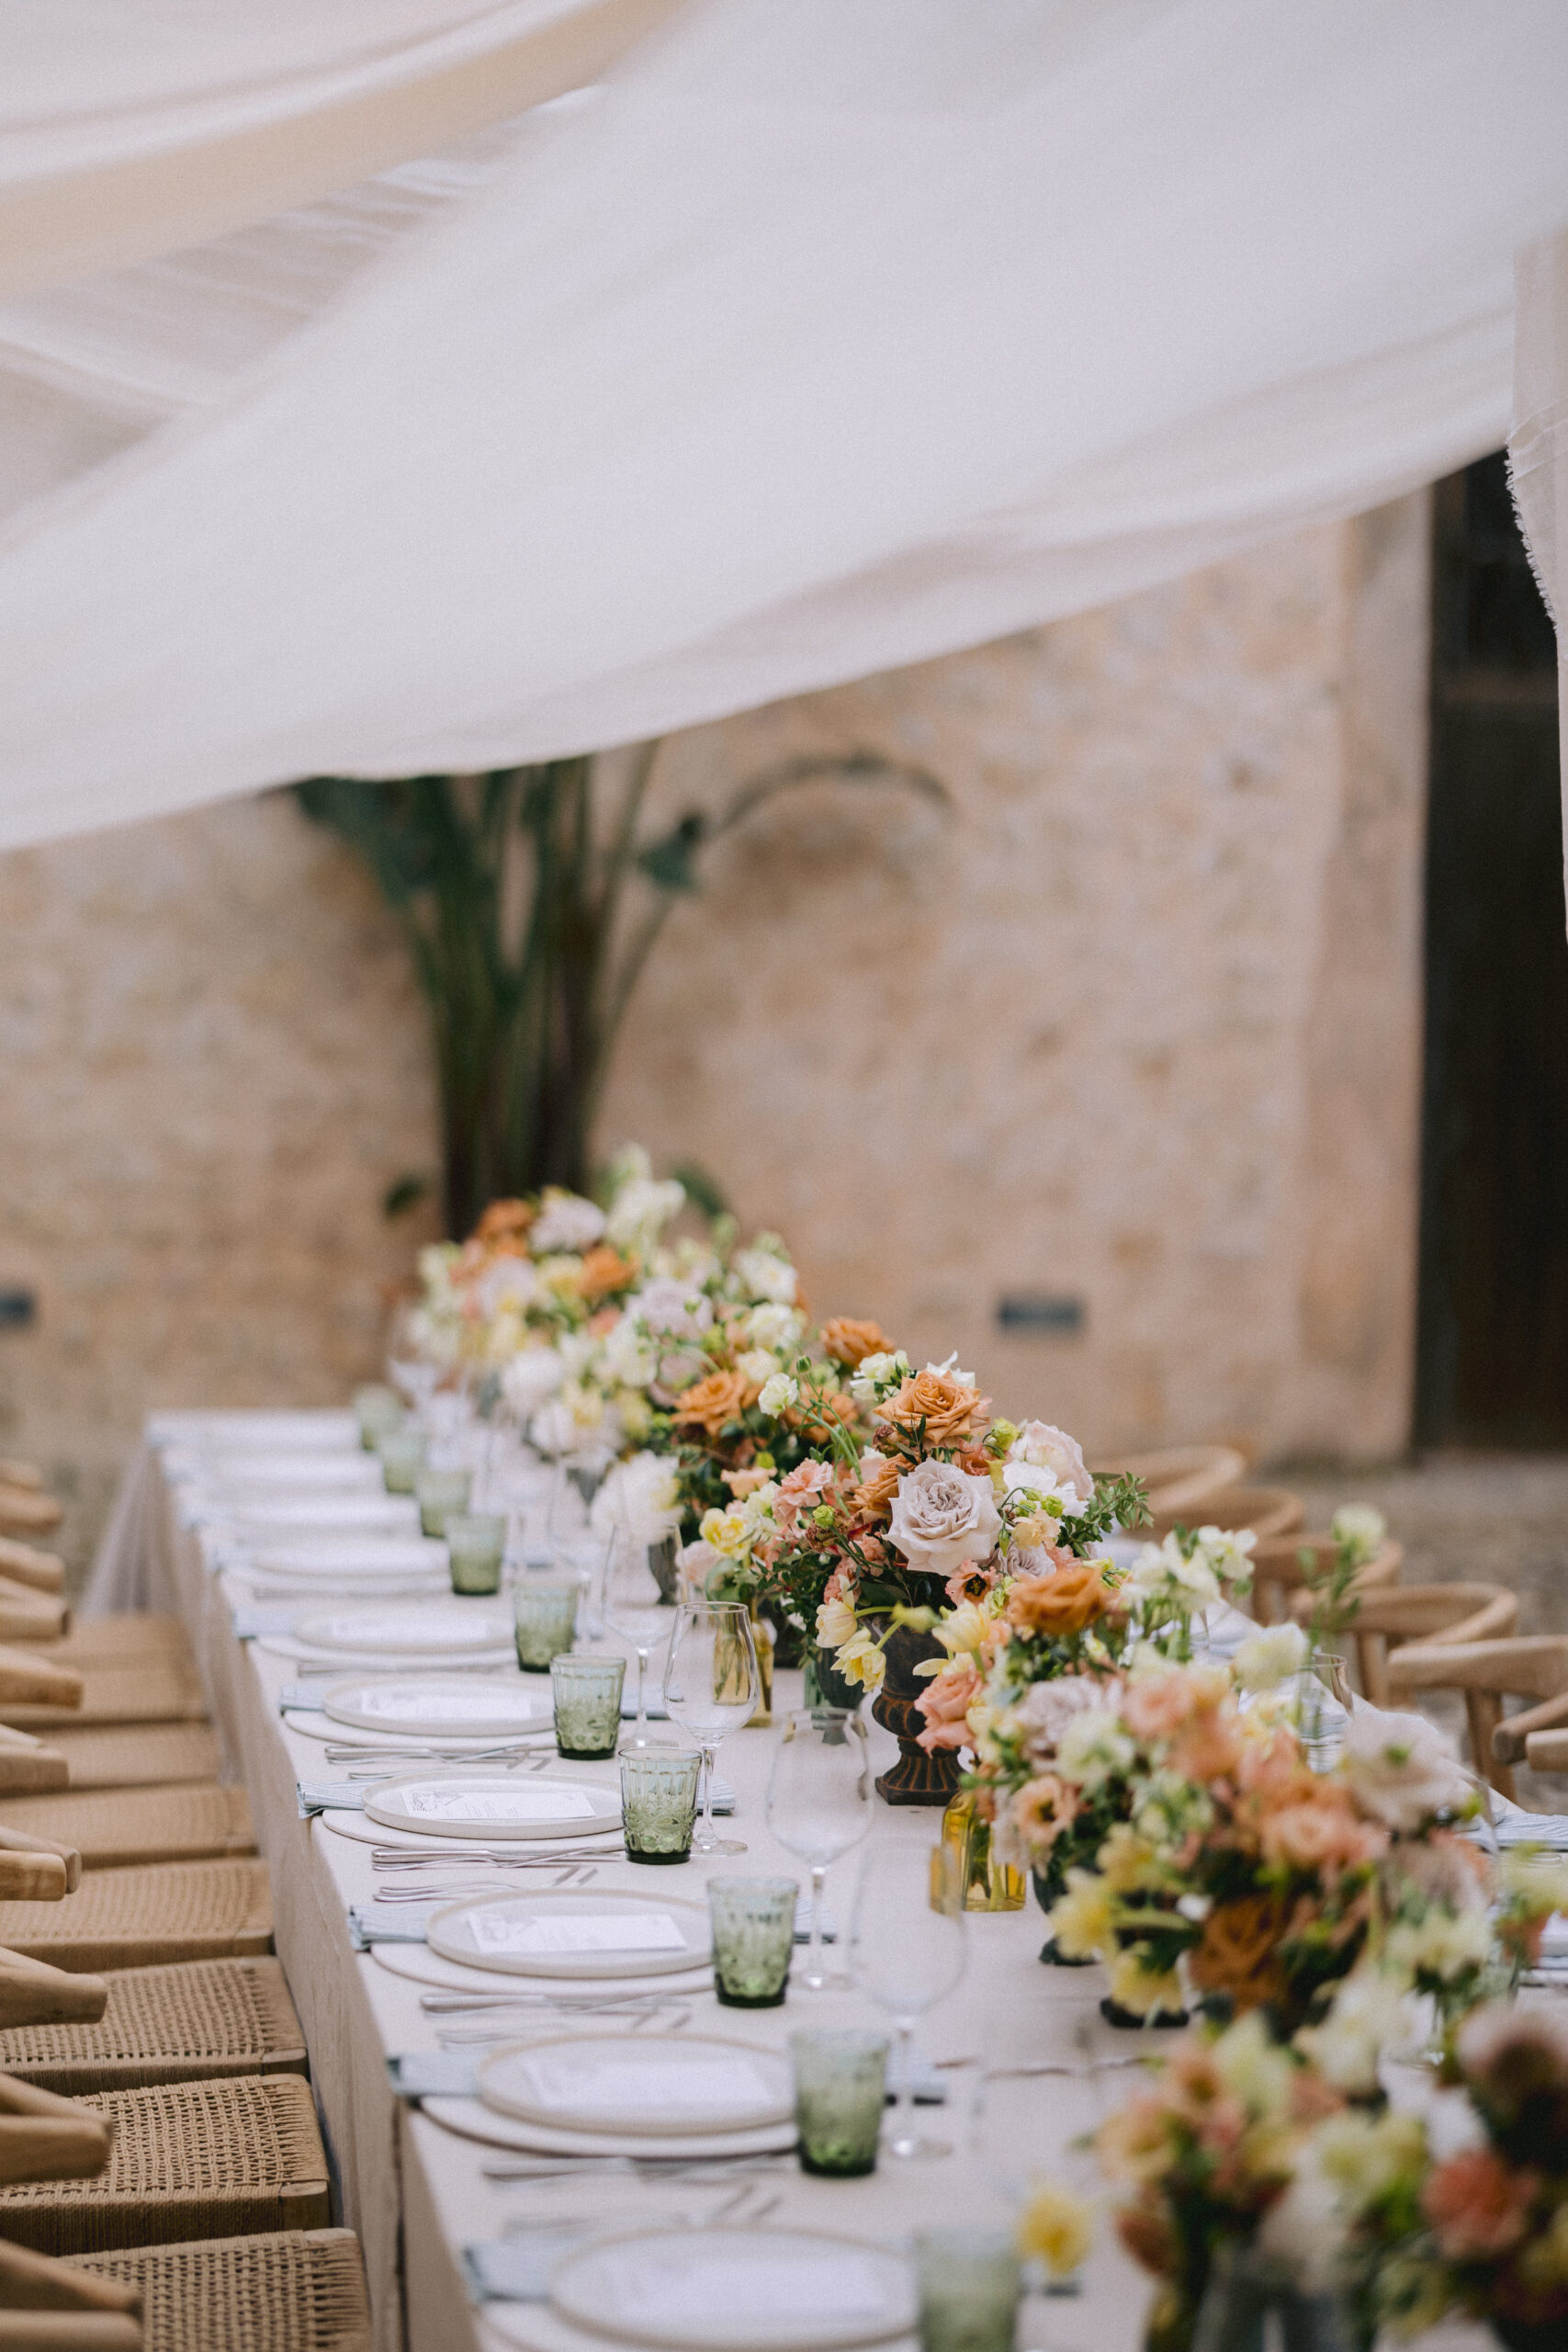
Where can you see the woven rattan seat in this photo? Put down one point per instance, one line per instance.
(167, 2025)
(27, 1511)
(116, 1641)
(27, 1615)
(189, 2160)
(140, 1755)
(137, 1689)
(116, 1828)
(143, 1918)
(300, 2290)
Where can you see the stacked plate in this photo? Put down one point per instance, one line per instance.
(736, 2290)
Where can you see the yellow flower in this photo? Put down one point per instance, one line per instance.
(835, 1623)
(1055, 2228)
(1080, 1920)
(860, 1661)
(1124, 1859)
(725, 1531)
(1142, 1993)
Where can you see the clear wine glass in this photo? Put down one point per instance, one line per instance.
(407, 1368)
(907, 1951)
(629, 1601)
(579, 1474)
(710, 1687)
(819, 1800)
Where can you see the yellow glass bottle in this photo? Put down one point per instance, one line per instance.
(988, 1884)
(763, 1641)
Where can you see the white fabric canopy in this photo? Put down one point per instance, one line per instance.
(819, 339)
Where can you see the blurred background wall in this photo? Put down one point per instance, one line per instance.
(1108, 1078)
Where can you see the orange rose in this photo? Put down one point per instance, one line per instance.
(947, 1406)
(504, 1217)
(1239, 1953)
(874, 1495)
(849, 1341)
(1063, 1603)
(604, 1269)
(722, 1397)
(820, 1413)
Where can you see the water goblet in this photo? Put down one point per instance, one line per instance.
(710, 1687)
(628, 1598)
(818, 1805)
(907, 1951)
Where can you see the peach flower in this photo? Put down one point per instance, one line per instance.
(945, 1703)
(948, 1407)
(722, 1397)
(1064, 1603)
(874, 1494)
(1476, 2205)
(849, 1341)
(504, 1218)
(1239, 1952)
(604, 1269)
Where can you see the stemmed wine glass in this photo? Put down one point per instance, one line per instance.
(819, 1806)
(629, 1601)
(908, 1951)
(710, 1687)
(409, 1370)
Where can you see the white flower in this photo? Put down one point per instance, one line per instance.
(775, 1327)
(836, 1624)
(1048, 1448)
(1266, 1656)
(963, 1628)
(629, 1359)
(1365, 2018)
(1303, 2229)
(673, 1308)
(756, 1364)
(761, 1274)
(1443, 1943)
(942, 1517)
(1360, 1527)
(725, 1531)
(566, 1222)
(876, 1375)
(1048, 1709)
(1402, 1768)
(779, 1392)
(578, 1418)
(1030, 1478)
(529, 1378)
(638, 1498)
(860, 1661)
(640, 1211)
(1092, 1747)
(509, 1281)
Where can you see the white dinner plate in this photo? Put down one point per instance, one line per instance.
(257, 1429)
(737, 2289)
(417, 1965)
(667, 2084)
(447, 1706)
(429, 1629)
(491, 1806)
(348, 1558)
(471, 2119)
(582, 1932)
(303, 1518)
(315, 1473)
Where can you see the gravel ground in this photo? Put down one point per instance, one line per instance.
(1494, 1518)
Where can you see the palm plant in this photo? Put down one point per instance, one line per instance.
(531, 900)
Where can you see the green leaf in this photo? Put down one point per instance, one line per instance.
(406, 1194)
(670, 864)
(702, 1189)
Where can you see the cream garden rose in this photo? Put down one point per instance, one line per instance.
(943, 1516)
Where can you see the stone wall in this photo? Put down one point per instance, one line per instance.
(1134, 1022)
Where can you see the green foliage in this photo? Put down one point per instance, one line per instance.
(530, 908)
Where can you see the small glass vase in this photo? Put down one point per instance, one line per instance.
(1245, 2290)
(988, 1884)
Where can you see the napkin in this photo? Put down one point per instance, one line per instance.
(517, 2270)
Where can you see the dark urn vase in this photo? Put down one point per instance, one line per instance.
(917, 1778)
(1049, 1888)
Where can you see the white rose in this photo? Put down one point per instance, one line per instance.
(629, 1359)
(566, 1222)
(530, 1378)
(775, 1327)
(779, 1392)
(1046, 1709)
(640, 1211)
(673, 1308)
(1052, 1449)
(639, 1500)
(762, 1275)
(511, 1281)
(756, 1365)
(1362, 1526)
(875, 1373)
(942, 1517)
(1402, 1768)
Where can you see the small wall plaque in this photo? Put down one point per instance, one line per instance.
(1043, 1312)
(18, 1310)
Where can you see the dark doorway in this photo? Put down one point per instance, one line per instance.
(1491, 1359)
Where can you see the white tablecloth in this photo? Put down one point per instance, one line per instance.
(417, 2194)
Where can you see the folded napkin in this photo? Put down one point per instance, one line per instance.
(517, 2270)
(1515, 1826)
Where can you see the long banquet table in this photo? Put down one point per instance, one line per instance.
(417, 2193)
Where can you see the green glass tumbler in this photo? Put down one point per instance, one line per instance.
(659, 1804)
(753, 1939)
(545, 1611)
(476, 1545)
(378, 1411)
(587, 1694)
(440, 1494)
(841, 2088)
(969, 2283)
(402, 1454)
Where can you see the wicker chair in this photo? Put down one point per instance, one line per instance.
(27, 1510)
(1529, 1665)
(29, 1615)
(167, 2025)
(1435, 1615)
(302, 2290)
(147, 1919)
(146, 1756)
(1268, 1511)
(32, 1683)
(28, 1768)
(114, 1641)
(1179, 1477)
(140, 1690)
(1282, 1582)
(43, 2302)
(193, 2159)
(116, 1828)
(24, 1564)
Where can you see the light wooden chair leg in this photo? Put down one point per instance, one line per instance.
(1371, 1650)
(1484, 1710)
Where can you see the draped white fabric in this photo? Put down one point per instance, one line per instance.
(819, 340)
(1538, 448)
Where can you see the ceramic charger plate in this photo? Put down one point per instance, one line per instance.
(348, 1559)
(666, 2084)
(490, 1806)
(426, 1630)
(574, 1933)
(449, 1706)
(737, 2290)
